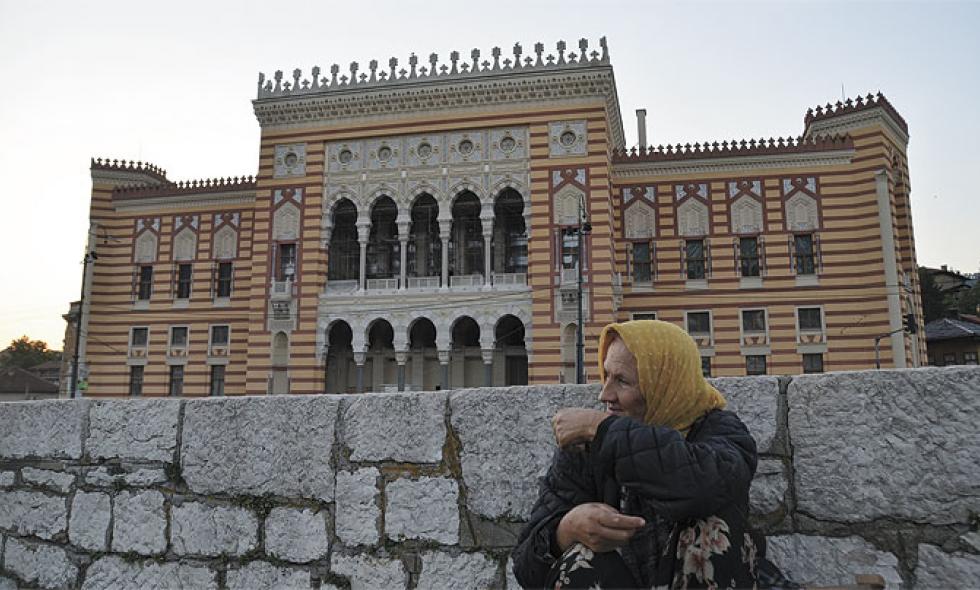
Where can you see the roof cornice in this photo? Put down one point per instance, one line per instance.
(736, 164)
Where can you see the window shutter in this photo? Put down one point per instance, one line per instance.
(737, 256)
(762, 256)
(683, 259)
(817, 254)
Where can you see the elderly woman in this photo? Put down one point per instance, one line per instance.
(654, 491)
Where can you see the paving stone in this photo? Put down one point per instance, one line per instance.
(299, 536)
(45, 565)
(358, 513)
(768, 491)
(139, 523)
(7, 478)
(441, 571)
(938, 570)
(89, 524)
(111, 573)
(507, 442)
(44, 429)
(139, 429)
(259, 575)
(873, 421)
(33, 513)
(140, 477)
(408, 427)
(286, 450)
(199, 529)
(55, 480)
(756, 401)
(369, 573)
(829, 561)
(423, 509)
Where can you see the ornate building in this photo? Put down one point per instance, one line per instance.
(418, 228)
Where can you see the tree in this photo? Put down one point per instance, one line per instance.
(933, 300)
(970, 300)
(26, 353)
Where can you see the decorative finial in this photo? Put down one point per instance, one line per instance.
(517, 55)
(296, 74)
(495, 52)
(453, 57)
(561, 52)
(353, 72)
(605, 49)
(316, 77)
(412, 62)
(583, 48)
(538, 49)
(261, 81)
(334, 70)
(373, 66)
(392, 63)
(433, 60)
(278, 77)
(475, 55)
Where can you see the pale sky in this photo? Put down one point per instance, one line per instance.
(172, 83)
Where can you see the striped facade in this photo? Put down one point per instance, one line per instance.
(417, 231)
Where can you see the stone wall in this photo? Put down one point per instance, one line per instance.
(871, 472)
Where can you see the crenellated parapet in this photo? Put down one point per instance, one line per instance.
(848, 106)
(184, 187)
(844, 117)
(129, 166)
(734, 148)
(458, 68)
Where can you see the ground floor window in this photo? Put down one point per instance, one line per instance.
(176, 380)
(813, 363)
(969, 358)
(706, 366)
(217, 387)
(755, 364)
(136, 380)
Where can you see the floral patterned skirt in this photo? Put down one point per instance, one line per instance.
(580, 567)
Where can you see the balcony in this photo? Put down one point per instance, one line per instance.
(569, 276)
(346, 286)
(281, 290)
(423, 283)
(381, 284)
(466, 281)
(509, 279)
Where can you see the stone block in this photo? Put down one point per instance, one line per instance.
(139, 523)
(33, 513)
(408, 427)
(938, 570)
(7, 584)
(45, 565)
(141, 477)
(358, 510)
(756, 401)
(768, 491)
(423, 509)
(44, 429)
(138, 429)
(111, 573)
(260, 445)
(55, 480)
(299, 536)
(441, 571)
(512, 583)
(7, 478)
(89, 524)
(145, 477)
(829, 561)
(507, 443)
(259, 575)
(199, 529)
(850, 431)
(368, 573)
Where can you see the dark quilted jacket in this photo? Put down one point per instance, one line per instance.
(653, 472)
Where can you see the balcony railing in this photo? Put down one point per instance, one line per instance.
(423, 282)
(282, 290)
(466, 280)
(346, 286)
(382, 284)
(569, 275)
(509, 279)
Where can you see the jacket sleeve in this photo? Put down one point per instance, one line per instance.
(680, 478)
(565, 486)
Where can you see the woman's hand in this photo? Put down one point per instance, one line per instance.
(575, 425)
(598, 526)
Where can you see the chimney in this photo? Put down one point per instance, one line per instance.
(944, 268)
(641, 127)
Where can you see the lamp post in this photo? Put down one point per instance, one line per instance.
(584, 228)
(90, 256)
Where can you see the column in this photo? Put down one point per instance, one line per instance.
(487, 366)
(359, 363)
(401, 356)
(445, 228)
(486, 222)
(892, 287)
(363, 231)
(444, 365)
(403, 227)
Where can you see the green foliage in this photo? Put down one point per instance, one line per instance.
(933, 301)
(26, 353)
(970, 301)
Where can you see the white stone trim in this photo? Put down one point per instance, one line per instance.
(733, 164)
(185, 201)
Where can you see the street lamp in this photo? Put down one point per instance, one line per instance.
(90, 256)
(584, 228)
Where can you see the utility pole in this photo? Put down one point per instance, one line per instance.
(90, 256)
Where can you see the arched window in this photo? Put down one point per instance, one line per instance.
(509, 247)
(382, 253)
(344, 254)
(424, 244)
(466, 241)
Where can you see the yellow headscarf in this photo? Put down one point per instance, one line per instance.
(669, 367)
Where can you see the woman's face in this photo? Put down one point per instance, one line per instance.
(621, 389)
